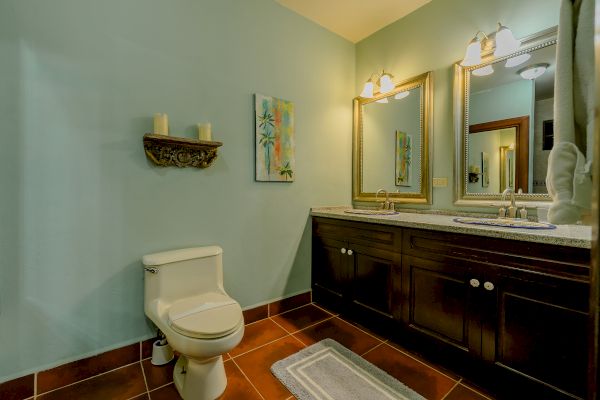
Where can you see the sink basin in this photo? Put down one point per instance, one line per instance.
(505, 223)
(371, 212)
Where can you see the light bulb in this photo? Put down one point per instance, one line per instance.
(367, 90)
(473, 53)
(505, 42)
(386, 84)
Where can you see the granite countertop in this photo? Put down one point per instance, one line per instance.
(564, 235)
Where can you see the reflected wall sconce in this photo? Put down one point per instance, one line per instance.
(382, 80)
(533, 71)
(503, 42)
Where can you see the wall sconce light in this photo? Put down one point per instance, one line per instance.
(503, 43)
(533, 71)
(382, 80)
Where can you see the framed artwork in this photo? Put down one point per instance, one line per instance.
(485, 169)
(274, 129)
(403, 158)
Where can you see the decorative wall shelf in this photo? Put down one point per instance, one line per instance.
(182, 152)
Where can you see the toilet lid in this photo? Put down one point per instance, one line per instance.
(207, 316)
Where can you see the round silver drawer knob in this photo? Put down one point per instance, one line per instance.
(343, 250)
(488, 286)
(350, 252)
(474, 282)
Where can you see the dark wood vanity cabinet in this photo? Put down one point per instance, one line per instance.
(514, 313)
(356, 270)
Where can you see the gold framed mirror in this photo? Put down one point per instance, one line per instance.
(391, 143)
(503, 119)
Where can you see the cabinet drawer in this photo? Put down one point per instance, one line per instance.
(569, 262)
(372, 235)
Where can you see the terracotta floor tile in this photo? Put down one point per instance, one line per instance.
(17, 389)
(257, 334)
(277, 307)
(82, 369)
(424, 360)
(419, 377)
(342, 332)
(147, 347)
(165, 393)
(256, 314)
(238, 386)
(462, 392)
(142, 397)
(301, 318)
(257, 364)
(158, 375)
(122, 383)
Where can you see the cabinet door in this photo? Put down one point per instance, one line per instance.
(441, 302)
(376, 290)
(330, 271)
(536, 331)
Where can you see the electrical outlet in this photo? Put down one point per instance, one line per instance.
(440, 182)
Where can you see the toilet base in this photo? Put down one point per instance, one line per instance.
(200, 380)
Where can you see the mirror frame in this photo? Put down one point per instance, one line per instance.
(423, 82)
(530, 43)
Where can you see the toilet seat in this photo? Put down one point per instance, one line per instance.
(207, 316)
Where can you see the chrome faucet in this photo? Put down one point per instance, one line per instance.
(511, 212)
(387, 204)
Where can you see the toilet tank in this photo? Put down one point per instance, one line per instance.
(173, 275)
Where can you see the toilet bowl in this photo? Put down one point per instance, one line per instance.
(185, 298)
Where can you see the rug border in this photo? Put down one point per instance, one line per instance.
(278, 369)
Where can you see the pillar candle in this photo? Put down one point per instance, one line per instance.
(204, 132)
(161, 124)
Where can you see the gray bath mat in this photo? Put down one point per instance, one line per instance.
(329, 371)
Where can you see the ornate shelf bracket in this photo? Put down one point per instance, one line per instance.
(165, 151)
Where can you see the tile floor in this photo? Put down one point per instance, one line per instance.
(266, 341)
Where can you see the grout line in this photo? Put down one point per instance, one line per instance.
(374, 347)
(301, 342)
(144, 375)
(268, 310)
(87, 379)
(475, 390)
(258, 347)
(161, 386)
(451, 389)
(35, 385)
(248, 379)
(309, 326)
(363, 331)
(281, 326)
(291, 309)
(324, 309)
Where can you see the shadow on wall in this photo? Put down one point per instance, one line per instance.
(298, 279)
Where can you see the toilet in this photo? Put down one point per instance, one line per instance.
(185, 298)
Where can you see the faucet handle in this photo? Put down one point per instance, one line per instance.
(502, 212)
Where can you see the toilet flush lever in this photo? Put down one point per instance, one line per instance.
(152, 270)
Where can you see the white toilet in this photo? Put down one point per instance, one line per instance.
(185, 298)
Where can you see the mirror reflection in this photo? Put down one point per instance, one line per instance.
(510, 119)
(392, 142)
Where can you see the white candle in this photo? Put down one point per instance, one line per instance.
(204, 132)
(161, 124)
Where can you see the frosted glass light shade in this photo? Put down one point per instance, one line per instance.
(386, 84)
(534, 71)
(383, 101)
(473, 53)
(518, 60)
(367, 90)
(505, 42)
(401, 95)
(483, 71)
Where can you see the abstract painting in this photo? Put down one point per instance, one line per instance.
(403, 158)
(275, 160)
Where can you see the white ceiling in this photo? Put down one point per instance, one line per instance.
(353, 19)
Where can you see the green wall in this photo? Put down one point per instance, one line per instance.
(433, 38)
(80, 204)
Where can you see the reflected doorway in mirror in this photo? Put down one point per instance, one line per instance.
(403, 158)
